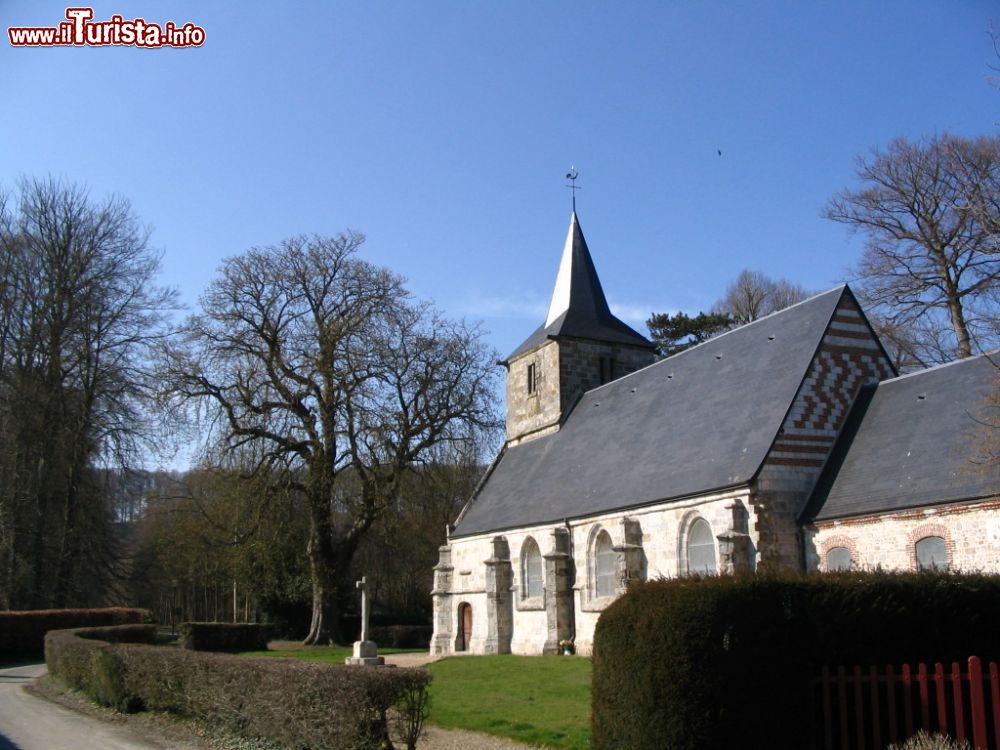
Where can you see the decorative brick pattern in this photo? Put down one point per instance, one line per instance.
(848, 357)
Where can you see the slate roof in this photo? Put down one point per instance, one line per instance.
(909, 442)
(579, 307)
(701, 420)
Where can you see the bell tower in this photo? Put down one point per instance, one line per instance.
(580, 346)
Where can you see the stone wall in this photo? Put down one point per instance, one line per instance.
(564, 370)
(648, 542)
(971, 532)
(580, 365)
(529, 414)
(662, 532)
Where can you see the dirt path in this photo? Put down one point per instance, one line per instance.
(28, 722)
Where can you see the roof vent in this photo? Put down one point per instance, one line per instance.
(670, 376)
(718, 356)
(632, 390)
(921, 397)
(770, 338)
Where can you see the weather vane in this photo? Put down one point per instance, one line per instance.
(571, 176)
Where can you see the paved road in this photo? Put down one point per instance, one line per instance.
(30, 723)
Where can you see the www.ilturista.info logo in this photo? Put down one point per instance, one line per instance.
(79, 30)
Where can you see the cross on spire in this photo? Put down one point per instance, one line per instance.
(571, 176)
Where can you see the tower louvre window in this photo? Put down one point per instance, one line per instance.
(532, 378)
(607, 365)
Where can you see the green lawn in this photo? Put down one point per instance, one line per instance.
(325, 654)
(540, 700)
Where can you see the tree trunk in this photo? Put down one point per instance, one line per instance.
(69, 555)
(960, 326)
(325, 626)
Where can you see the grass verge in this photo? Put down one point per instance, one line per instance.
(325, 654)
(540, 700)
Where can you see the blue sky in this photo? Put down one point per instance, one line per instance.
(442, 130)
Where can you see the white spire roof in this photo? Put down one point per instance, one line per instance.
(578, 307)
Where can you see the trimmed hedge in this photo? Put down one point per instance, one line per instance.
(728, 662)
(296, 704)
(224, 637)
(23, 632)
(402, 636)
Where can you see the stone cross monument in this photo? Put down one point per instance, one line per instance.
(365, 651)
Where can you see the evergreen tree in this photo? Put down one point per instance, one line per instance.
(675, 333)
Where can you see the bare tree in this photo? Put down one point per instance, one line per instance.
(339, 380)
(431, 498)
(754, 294)
(930, 213)
(78, 311)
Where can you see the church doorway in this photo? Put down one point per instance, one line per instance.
(464, 627)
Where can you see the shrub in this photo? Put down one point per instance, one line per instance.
(402, 636)
(85, 659)
(923, 741)
(225, 637)
(295, 704)
(728, 662)
(23, 633)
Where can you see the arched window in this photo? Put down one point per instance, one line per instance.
(701, 548)
(531, 570)
(838, 558)
(932, 554)
(604, 565)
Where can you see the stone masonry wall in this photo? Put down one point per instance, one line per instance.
(528, 414)
(971, 532)
(663, 532)
(564, 370)
(848, 357)
(648, 542)
(580, 365)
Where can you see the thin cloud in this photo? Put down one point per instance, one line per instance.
(534, 308)
(637, 314)
(526, 307)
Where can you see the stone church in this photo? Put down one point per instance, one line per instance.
(790, 442)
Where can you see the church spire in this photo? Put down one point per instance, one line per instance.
(577, 286)
(580, 346)
(578, 307)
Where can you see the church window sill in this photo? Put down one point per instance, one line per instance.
(534, 604)
(597, 604)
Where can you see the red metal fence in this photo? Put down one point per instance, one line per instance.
(871, 708)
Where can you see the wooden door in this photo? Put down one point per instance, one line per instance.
(465, 626)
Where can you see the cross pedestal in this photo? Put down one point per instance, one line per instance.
(365, 651)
